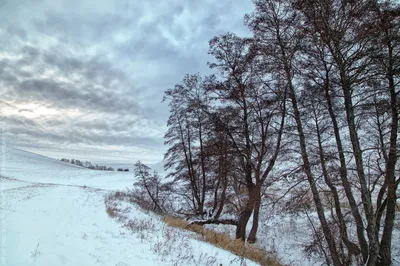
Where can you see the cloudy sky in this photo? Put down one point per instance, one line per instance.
(85, 79)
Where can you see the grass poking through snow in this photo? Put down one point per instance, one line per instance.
(174, 245)
(223, 241)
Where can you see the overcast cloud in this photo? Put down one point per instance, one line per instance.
(85, 79)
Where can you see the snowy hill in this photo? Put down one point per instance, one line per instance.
(53, 213)
(31, 167)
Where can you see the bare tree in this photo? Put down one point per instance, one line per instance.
(152, 184)
(185, 136)
(251, 113)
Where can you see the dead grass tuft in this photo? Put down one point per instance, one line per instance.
(111, 212)
(223, 241)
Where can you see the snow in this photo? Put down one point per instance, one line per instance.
(30, 167)
(53, 213)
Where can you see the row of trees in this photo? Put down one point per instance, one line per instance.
(87, 164)
(312, 95)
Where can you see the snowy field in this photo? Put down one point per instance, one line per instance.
(53, 213)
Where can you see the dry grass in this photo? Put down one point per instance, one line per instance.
(223, 241)
(220, 240)
(111, 212)
(132, 197)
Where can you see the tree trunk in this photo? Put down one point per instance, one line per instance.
(352, 248)
(343, 175)
(256, 213)
(386, 240)
(307, 170)
(222, 198)
(245, 215)
(372, 229)
(203, 168)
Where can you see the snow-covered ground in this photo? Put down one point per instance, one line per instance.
(53, 213)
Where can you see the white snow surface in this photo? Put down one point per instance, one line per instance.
(53, 213)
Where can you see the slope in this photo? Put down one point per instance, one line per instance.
(53, 213)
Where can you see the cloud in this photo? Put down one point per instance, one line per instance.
(92, 76)
(68, 82)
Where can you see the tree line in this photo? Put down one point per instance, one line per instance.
(88, 164)
(311, 99)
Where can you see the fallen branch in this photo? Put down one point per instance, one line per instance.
(221, 221)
